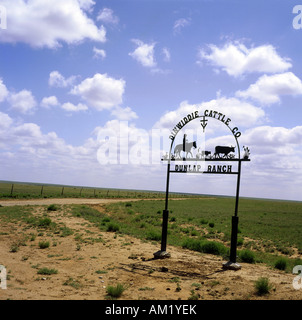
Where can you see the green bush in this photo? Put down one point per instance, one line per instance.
(211, 224)
(113, 227)
(44, 222)
(281, 264)
(46, 271)
(262, 286)
(153, 235)
(52, 207)
(247, 256)
(205, 246)
(115, 291)
(43, 244)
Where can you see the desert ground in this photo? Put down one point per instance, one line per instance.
(89, 260)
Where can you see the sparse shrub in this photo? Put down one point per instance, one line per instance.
(73, 283)
(153, 235)
(45, 222)
(115, 291)
(213, 247)
(205, 246)
(203, 221)
(262, 286)
(247, 256)
(43, 244)
(46, 271)
(194, 295)
(52, 207)
(281, 264)
(211, 224)
(128, 204)
(113, 227)
(240, 242)
(14, 247)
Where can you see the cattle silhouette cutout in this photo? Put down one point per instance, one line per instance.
(224, 152)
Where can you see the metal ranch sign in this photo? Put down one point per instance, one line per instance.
(185, 162)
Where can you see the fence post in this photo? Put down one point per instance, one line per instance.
(42, 190)
(81, 191)
(62, 191)
(12, 190)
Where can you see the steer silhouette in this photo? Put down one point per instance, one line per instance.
(223, 150)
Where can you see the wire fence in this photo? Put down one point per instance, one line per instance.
(19, 190)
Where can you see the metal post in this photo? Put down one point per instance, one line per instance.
(163, 253)
(232, 264)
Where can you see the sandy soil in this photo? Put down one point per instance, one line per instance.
(87, 265)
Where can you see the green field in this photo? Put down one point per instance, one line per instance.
(267, 228)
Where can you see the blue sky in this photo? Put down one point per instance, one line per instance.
(74, 72)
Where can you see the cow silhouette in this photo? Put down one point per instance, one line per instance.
(224, 151)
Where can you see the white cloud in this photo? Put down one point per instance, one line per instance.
(144, 53)
(99, 53)
(124, 114)
(3, 91)
(106, 15)
(57, 80)
(22, 101)
(101, 91)
(42, 23)
(268, 89)
(180, 23)
(68, 106)
(277, 140)
(242, 113)
(166, 54)
(236, 59)
(51, 101)
(5, 121)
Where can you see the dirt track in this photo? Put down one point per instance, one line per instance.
(89, 260)
(41, 202)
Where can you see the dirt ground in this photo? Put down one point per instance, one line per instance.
(89, 260)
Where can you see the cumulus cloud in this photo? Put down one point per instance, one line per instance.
(22, 101)
(68, 106)
(106, 15)
(101, 91)
(268, 89)
(5, 121)
(3, 91)
(242, 113)
(56, 79)
(236, 59)
(42, 23)
(99, 53)
(144, 53)
(124, 114)
(51, 101)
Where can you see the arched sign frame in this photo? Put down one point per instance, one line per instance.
(231, 264)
